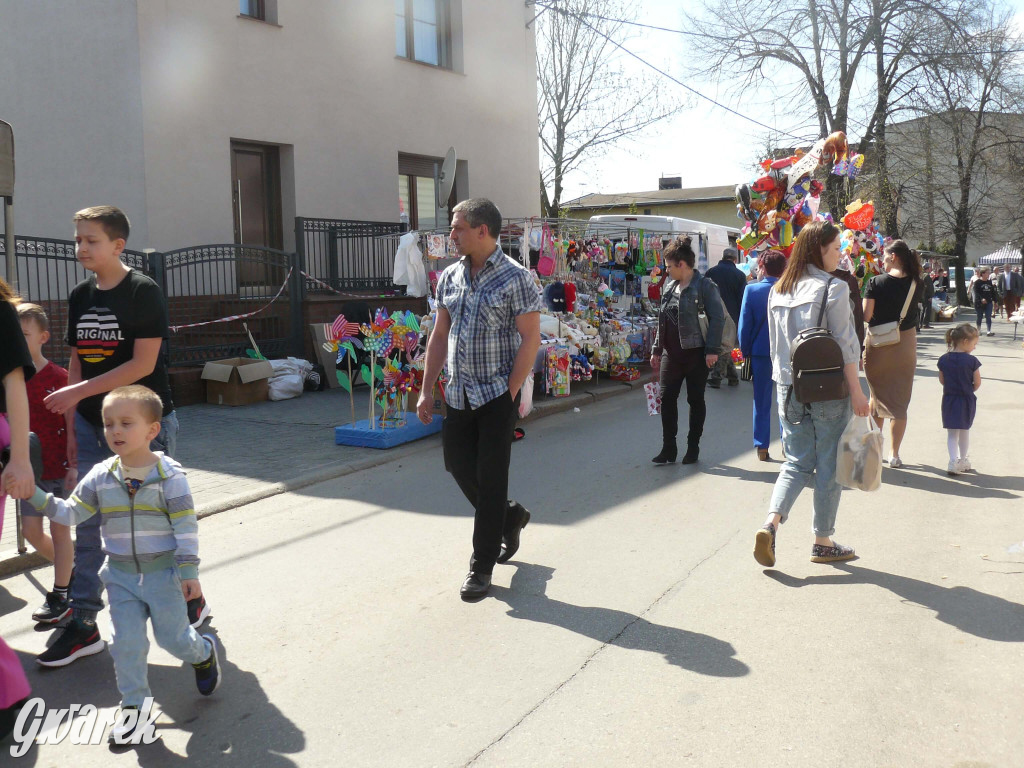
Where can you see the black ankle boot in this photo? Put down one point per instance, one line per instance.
(667, 455)
(692, 451)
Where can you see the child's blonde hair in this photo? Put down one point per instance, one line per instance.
(145, 398)
(7, 293)
(29, 311)
(963, 332)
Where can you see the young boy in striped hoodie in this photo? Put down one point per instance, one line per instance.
(151, 542)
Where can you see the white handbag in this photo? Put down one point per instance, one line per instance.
(886, 334)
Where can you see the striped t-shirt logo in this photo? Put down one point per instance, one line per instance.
(98, 335)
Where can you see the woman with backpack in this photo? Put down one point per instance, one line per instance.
(806, 297)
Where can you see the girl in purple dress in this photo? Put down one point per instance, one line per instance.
(960, 379)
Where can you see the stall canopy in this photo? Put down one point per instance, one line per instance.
(1008, 254)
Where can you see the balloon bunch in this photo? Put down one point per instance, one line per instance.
(861, 243)
(778, 204)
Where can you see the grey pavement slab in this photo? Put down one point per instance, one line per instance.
(236, 455)
(632, 628)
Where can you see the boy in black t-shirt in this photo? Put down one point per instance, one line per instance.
(117, 322)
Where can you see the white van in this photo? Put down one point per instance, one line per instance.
(715, 238)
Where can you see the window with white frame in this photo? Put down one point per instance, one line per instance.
(423, 31)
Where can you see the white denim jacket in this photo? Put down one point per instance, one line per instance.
(790, 313)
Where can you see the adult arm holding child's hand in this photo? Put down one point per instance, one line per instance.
(17, 479)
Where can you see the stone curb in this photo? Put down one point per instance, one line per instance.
(30, 560)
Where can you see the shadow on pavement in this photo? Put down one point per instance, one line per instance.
(971, 611)
(924, 477)
(694, 651)
(9, 603)
(237, 726)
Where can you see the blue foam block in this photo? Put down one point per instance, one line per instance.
(360, 434)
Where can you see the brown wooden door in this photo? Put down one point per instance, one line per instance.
(256, 205)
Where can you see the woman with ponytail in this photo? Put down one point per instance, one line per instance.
(811, 432)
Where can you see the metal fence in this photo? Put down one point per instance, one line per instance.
(47, 271)
(200, 284)
(347, 254)
(209, 282)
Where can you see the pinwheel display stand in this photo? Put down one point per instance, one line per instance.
(391, 380)
(359, 434)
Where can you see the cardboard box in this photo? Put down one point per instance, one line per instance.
(237, 381)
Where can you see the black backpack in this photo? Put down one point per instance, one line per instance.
(817, 362)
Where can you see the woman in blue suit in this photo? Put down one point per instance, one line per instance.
(753, 336)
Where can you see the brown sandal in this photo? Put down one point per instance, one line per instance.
(764, 545)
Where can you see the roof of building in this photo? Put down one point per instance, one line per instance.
(654, 197)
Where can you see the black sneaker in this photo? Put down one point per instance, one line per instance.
(53, 610)
(198, 612)
(79, 638)
(208, 672)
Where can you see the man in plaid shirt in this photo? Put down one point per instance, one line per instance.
(487, 333)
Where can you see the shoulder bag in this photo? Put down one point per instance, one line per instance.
(728, 330)
(886, 334)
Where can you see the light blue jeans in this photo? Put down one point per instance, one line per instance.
(132, 600)
(811, 448)
(86, 589)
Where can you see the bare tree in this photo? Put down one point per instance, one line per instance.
(822, 49)
(587, 99)
(968, 122)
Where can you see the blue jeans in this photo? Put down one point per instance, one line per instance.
(134, 598)
(86, 589)
(811, 448)
(984, 311)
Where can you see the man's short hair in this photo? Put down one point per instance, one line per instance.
(729, 254)
(145, 398)
(480, 211)
(27, 311)
(112, 219)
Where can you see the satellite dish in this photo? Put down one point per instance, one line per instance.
(446, 179)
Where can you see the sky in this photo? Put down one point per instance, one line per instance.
(704, 144)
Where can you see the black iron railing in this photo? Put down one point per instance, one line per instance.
(347, 254)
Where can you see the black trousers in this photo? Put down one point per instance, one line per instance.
(690, 367)
(477, 449)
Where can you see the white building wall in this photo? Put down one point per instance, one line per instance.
(176, 82)
(70, 87)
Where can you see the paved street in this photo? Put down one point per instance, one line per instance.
(633, 627)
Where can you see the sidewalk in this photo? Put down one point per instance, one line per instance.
(235, 456)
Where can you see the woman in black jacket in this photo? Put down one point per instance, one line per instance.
(983, 295)
(681, 352)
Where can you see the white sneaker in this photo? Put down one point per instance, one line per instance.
(894, 462)
(131, 727)
(953, 468)
(964, 465)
